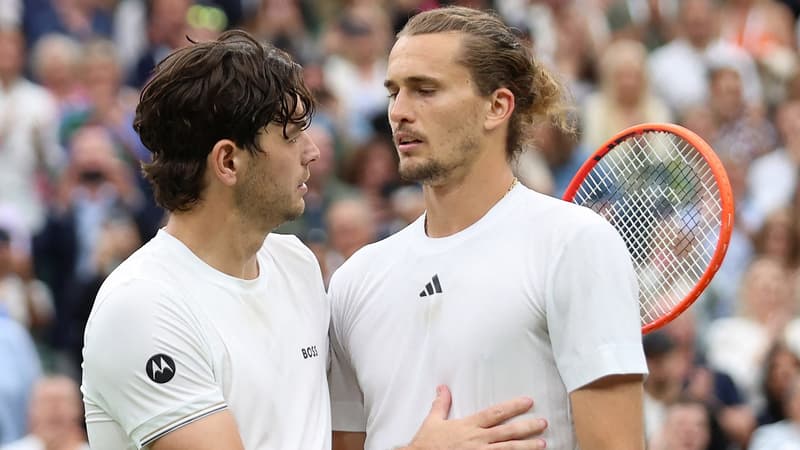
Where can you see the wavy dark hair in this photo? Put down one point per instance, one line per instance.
(230, 88)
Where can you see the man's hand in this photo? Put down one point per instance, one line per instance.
(482, 431)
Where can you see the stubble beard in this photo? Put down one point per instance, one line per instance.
(438, 168)
(426, 171)
(265, 204)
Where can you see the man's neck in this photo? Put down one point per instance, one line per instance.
(224, 241)
(459, 202)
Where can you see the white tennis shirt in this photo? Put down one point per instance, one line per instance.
(537, 298)
(171, 340)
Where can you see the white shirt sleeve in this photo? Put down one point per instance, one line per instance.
(347, 400)
(593, 308)
(147, 365)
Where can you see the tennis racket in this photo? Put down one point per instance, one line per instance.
(667, 194)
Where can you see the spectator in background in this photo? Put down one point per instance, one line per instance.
(372, 169)
(780, 369)
(562, 154)
(731, 420)
(408, 204)
(679, 69)
(96, 188)
(531, 170)
(80, 19)
(649, 22)
(131, 43)
(54, 417)
(29, 152)
(167, 28)
(117, 239)
(402, 10)
(22, 298)
(56, 65)
(351, 225)
(356, 67)
(686, 427)
(761, 27)
(779, 238)
(566, 35)
(111, 106)
(664, 383)
(110, 103)
(281, 23)
(19, 369)
(742, 130)
(783, 435)
(623, 98)
(772, 178)
(738, 345)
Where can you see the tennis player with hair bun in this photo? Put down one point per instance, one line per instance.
(496, 291)
(214, 335)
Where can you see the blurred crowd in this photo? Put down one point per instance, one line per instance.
(73, 203)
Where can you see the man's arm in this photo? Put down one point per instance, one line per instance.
(214, 432)
(608, 413)
(487, 429)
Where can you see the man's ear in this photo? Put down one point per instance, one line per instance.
(225, 161)
(500, 108)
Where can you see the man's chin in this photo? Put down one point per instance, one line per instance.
(419, 173)
(297, 211)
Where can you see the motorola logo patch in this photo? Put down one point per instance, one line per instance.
(160, 368)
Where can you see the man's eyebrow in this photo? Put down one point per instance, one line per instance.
(291, 128)
(415, 80)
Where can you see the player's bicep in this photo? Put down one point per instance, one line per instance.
(348, 440)
(213, 432)
(608, 413)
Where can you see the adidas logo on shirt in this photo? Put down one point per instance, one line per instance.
(434, 287)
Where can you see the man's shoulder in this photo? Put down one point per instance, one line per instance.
(151, 275)
(150, 264)
(541, 210)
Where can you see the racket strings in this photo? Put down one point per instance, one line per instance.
(662, 197)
